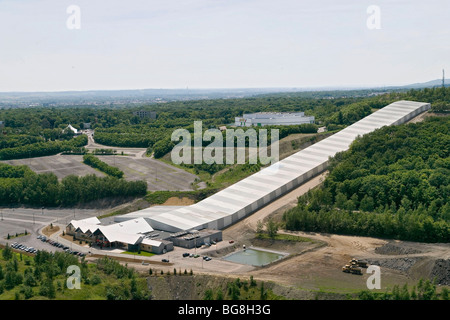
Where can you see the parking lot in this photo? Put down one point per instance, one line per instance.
(24, 220)
(159, 175)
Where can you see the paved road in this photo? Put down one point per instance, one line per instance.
(18, 220)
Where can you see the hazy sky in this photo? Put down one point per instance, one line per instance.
(220, 44)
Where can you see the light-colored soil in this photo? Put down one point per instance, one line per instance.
(175, 201)
(48, 231)
(319, 266)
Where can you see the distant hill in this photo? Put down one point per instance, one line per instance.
(429, 84)
(122, 97)
(146, 96)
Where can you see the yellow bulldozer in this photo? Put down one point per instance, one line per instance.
(358, 263)
(354, 266)
(352, 269)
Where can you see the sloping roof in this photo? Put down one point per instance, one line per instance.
(85, 225)
(154, 243)
(92, 220)
(251, 193)
(134, 226)
(114, 235)
(127, 232)
(74, 130)
(145, 213)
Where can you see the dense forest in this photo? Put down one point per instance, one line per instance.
(39, 131)
(392, 183)
(39, 149)
(43, 129)
(44, 276)
(20, 185)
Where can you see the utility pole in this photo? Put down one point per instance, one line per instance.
(443, 78)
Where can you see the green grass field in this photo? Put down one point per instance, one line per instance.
(142, 253)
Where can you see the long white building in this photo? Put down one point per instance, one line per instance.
(272, 118)
(248, 195)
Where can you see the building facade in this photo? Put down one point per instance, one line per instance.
(145, 114)
(272, 118)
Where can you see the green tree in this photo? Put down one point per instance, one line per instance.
(208, 295)
(341, 200)
(7, 253)
(272, 227)
(262, 292)
(259, 227)
(367, 204)
(445, 294)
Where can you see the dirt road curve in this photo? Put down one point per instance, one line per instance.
(319, 267)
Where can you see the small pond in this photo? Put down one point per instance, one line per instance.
(254, 257)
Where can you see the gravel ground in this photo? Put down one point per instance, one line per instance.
(441, 271)
(401, 264)
(393, 249)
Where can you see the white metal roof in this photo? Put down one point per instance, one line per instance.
(259, 185)
(145, 213)
(134, 226)
(129, 231)
(114, 235)
(150, 242)
(86, 224)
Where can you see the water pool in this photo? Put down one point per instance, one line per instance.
(254, 257)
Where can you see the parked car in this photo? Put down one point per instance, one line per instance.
(165, 260)
(185, 254)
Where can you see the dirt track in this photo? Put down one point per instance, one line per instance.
(318, 267)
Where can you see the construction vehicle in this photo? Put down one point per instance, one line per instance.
(358, 263)
(352, 269)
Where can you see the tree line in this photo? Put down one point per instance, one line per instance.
(40, 149)
(45, 276)
(424, 290)
(95, 162)
(20, 185)
(392, 183)
(34, 276)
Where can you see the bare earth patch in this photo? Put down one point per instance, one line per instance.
(175, 201)
(49, 230)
